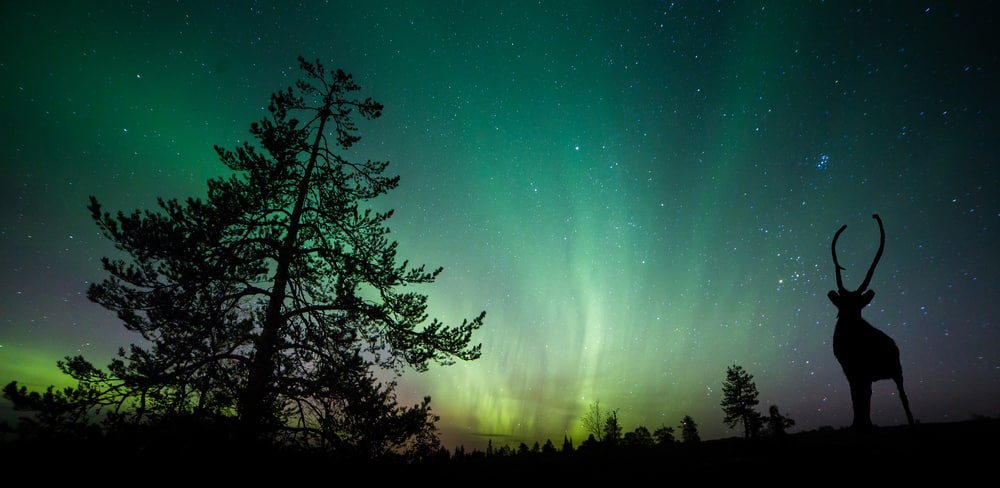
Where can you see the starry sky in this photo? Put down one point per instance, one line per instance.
(639, 194)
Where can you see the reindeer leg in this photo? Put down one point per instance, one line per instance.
(861, 398)
(902, 397)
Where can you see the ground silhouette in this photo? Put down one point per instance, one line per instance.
(953, 452)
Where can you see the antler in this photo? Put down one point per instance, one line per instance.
(871, 270)
(840, 281)
(878, 255)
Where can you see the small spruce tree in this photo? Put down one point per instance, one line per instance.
(740, 400)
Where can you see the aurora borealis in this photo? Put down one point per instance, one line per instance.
(639, 194)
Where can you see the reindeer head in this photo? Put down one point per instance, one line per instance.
(849, 303)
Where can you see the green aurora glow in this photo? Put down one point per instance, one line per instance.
(639, 194)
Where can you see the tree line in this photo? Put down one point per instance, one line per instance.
(605, 430)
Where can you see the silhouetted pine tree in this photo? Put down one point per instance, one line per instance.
(689, 430)
(612, 429)
(739, 401)
(777, 424)
(567, 444)
(278, 302)
(664, 435)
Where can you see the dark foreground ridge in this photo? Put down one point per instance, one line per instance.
(950, 452)
(946, 452)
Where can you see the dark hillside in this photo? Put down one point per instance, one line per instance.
(943, 452)
(953, 453)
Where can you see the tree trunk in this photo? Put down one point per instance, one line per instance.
(257, 397)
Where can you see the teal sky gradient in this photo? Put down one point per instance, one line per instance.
(639, 194)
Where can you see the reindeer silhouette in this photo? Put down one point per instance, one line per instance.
(865, 353)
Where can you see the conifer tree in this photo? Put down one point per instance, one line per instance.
(277, 303)
(612, 429)
(739, 401)
(777, 424)
(567, 444)
(664, 435)
(689, 430)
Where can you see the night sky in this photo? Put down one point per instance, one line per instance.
(639, 194)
